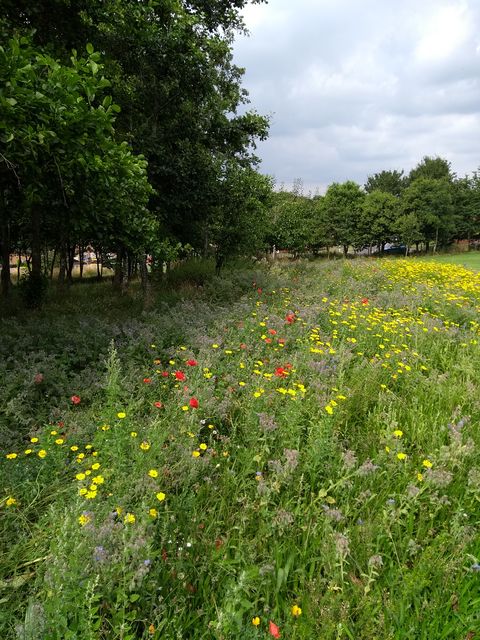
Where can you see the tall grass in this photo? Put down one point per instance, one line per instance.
(286, 454)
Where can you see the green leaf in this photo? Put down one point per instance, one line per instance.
(89, 48)
(11, 101)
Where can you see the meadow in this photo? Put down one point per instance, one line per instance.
(287, 452)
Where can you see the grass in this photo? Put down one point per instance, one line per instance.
(289, 453)
(470, 259)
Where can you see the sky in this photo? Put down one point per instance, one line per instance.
(353, 87)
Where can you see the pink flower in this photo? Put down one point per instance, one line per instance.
(75, 399)
(158, 404)
(274, 630)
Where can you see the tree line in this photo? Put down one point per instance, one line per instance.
(123, 127)
(429, 206)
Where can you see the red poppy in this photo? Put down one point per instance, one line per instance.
(192, 363)
(290, 318)
(281, 341)
(274, 630)
(165, 374)
(75, 399)
(179, 375)
(259, 291)
(280, 372)
(147, 380)
(194, 403)
(268, 340)
(272, 332)
(158, 404)
(364, 300)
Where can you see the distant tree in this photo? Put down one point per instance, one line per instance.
(407, 227)
(431, 201)
(380, 211)
(466, 199)
(432, 168)
(342, 206)
(387, 181)
(291, 221)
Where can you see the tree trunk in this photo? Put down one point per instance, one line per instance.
(345, 250)
(80, 253)
(36, 259)
(71, 262)
(5, 250)
(119, 275)
(144, 274)
(62, 271)
(52, 266)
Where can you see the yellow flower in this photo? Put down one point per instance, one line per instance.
(241, 384)
(427, 464)
(98, 480)
(11, 456)
(397, 433)
(53, 433)
(10, 501)
(74, 448)
(95, 466)
(419, 477)
(329, 409)
(196, 454)
(402, 456)
(82, 491)
(134, 434)
(184, 408)
(214, 346)
(80, 476)
(28, 451)
(42, 453)
(90, 495)
(153, 473)
(33, 440)
(203, 446)
(160, 496)
(256, 621)
(153, 513)
(296, 611)
(104, 427)
(129, 518)
(59, 441)
(145, 446)
(83, 519)
(121, 415)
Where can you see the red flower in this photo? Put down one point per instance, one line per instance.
(268, 340)
(280, 372)
(243, 345)
(281, 341)
(158, 404)
(38, 378)
(179, 375)
(147, 380)
(194, 403)
(272, 332)
(192, 363)
(75, 399)
(274, 630)
(259, 291)
(364, 300)
(165, 374)
(290, 318)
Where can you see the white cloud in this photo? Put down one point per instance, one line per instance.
(355, 88)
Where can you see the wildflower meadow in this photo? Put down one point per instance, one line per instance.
(289, 453)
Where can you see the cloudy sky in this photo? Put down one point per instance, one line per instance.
(357, 86)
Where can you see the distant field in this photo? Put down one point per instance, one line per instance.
(470, 260)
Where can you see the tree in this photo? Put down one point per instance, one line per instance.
(343, 206)
(379, 214)
(430, 200)
(387, 181)
(432, 168)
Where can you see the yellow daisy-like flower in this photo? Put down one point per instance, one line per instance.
(83, 519)
(195, 454)
(10, 501)
(80, 476)
(160, 496)
(296, 611)
(59, 441)
(134, 434)
(34, 440)
(74, 448)
(329, 409)
(129, 518)
(256, 621)
(11, 456)
(121, 415)
(402, 456)
(90, 495)
(27, 452)
(144, 446)
(397, 433)
(215, 346)
(82, 491)
(420, 477)
(153, 513)
(203, 446)
(427, 464)
(95, 466)
(53, 433)
(98, 480)
(153, 473)
(105, 427)
(42, 453)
